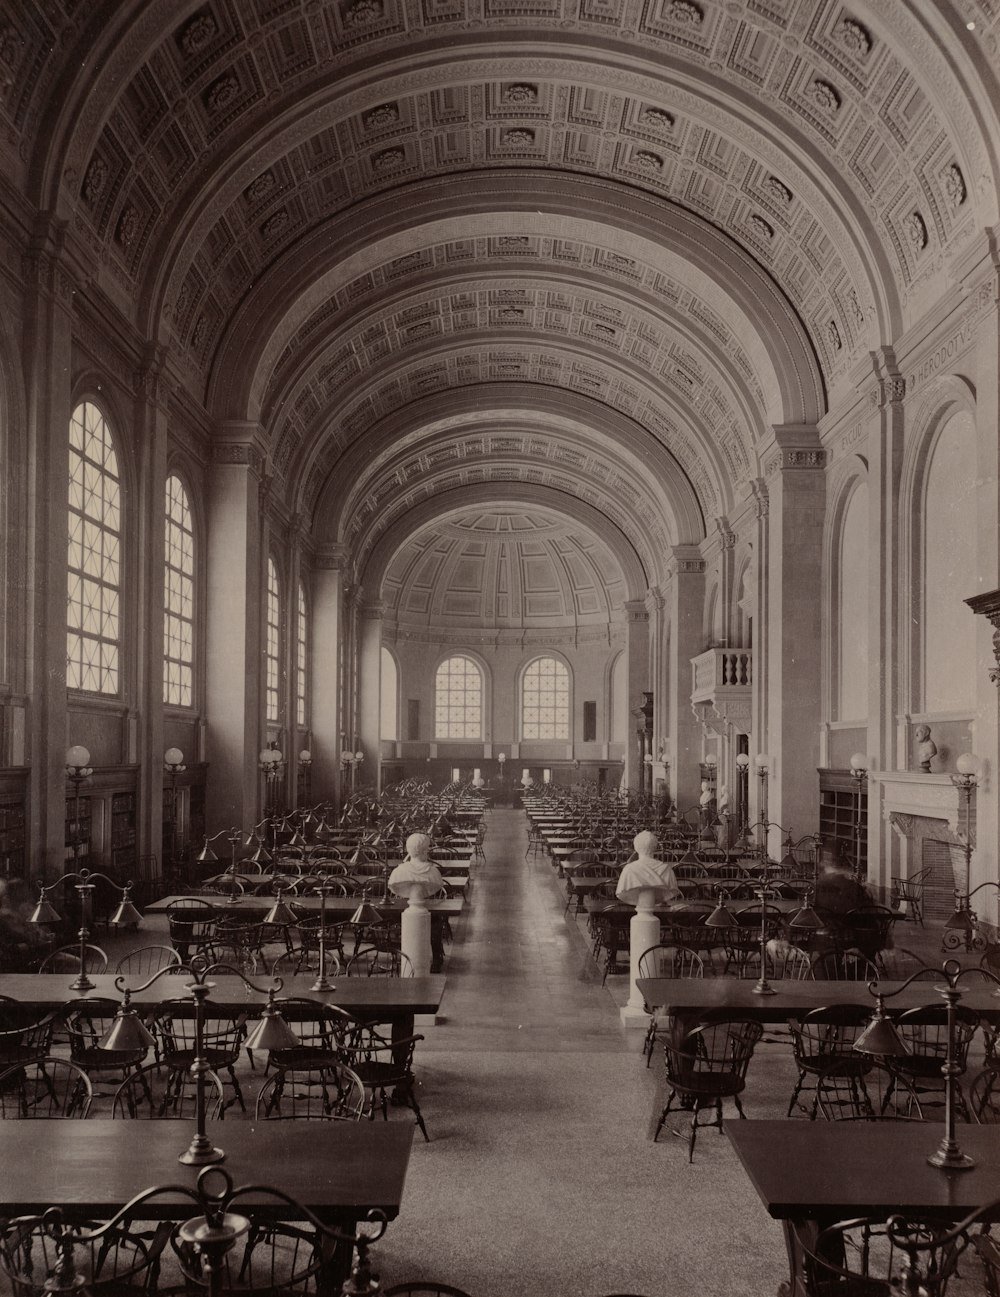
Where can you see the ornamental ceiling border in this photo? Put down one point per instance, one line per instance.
(601, 335)
(702, 460)
(859, 315)
(308, 351)
(553, 428)
(688, 248)
(441, 497)
(695, 104)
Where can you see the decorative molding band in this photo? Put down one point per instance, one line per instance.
(794, 459)
(334, 557)
(988, 606)
(238, 453)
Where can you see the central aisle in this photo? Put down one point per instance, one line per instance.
(541, 1179)
(520, 974)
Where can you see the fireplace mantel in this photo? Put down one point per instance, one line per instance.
(913, 792)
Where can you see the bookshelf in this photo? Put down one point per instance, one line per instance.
(123, 834)
(78, 834)
(837, 809)
(13, 838)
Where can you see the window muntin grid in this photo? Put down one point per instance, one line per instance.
(178, 598)
(458, 699)
(272, 642)
(545, 700)
(93, 614)
(301, 633)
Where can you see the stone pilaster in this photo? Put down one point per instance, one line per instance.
(329, 578)
(234, 571)
(796, 485)
(685, 596)
(636, 681)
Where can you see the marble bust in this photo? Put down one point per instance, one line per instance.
(418, 876)
(647, 874)
(924, 747)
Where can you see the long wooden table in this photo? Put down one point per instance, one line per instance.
(252, 906)
(693, 997)
(339, 1170)
(374, 999)
(813, 1174)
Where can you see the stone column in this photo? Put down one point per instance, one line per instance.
(643, 932)
(48, 370)
(329, 574)
(636, 682)
(370, 689)
(981, 286)
(685, 597)
(415, 932)
(796, 485)
(234, 633)
(659, 677)
(151, 441)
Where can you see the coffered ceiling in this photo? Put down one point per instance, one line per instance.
(638, 233)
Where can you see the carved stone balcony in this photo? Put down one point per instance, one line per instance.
(721, 680)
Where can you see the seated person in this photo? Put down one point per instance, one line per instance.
(21, 942)
(645, 872)
(837, 890)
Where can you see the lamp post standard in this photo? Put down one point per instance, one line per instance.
(173, 764)
(78, 768)
(128, 1031)
(305, 775)
(763, 764)
(743, 793)
(859, 773)
(881, 1039)
(271, 763)
(125, 915)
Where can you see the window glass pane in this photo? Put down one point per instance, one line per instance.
(272, 642)
(300, 659)
(94, 570)
(545, 700)
(178, 598)
(458, 695)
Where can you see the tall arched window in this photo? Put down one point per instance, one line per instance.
(389, 727)
(949, 514)
(852, 653)
(272, 648)
(545, 700)
(93, 620)
(178, 597)
(301, 641)
(458, 700)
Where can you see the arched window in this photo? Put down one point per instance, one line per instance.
(272, 642)
(389, 728)
(458, 700)
(852, 653)
(301, 640)
(949, 514)
(94, 580)
(545, 700)
(178, 597)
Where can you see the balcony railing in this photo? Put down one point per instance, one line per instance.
(720, 672)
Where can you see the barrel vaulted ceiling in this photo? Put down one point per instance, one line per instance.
(560, 250)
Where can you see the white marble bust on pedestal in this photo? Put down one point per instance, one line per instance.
(418, 876)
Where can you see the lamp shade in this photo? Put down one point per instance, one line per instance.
(762, 761)
(280, 913)
(721, 917)
(44, 913)
(206, 856)
(173, 757)
(859, 761)
(77, 755)
(366, 915)
(960, 921)
(711, 759)
(305, 755)
(127, 1031)
(880, 1037)
(743, 761)
(271, 1031)
(805, 919)
(125, 915)
(967, 764)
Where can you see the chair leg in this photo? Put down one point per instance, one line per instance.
(796, 1092)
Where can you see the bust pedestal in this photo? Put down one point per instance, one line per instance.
(643, 932)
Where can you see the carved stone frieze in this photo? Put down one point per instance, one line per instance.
(788, 459)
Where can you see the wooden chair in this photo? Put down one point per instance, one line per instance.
(822, 1040)
(158, 1092)
(665, 961)
(145, 961)
(330, 1093)
(709, 1064)
(48, 1087)
(118, 1262)
(67, 960)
